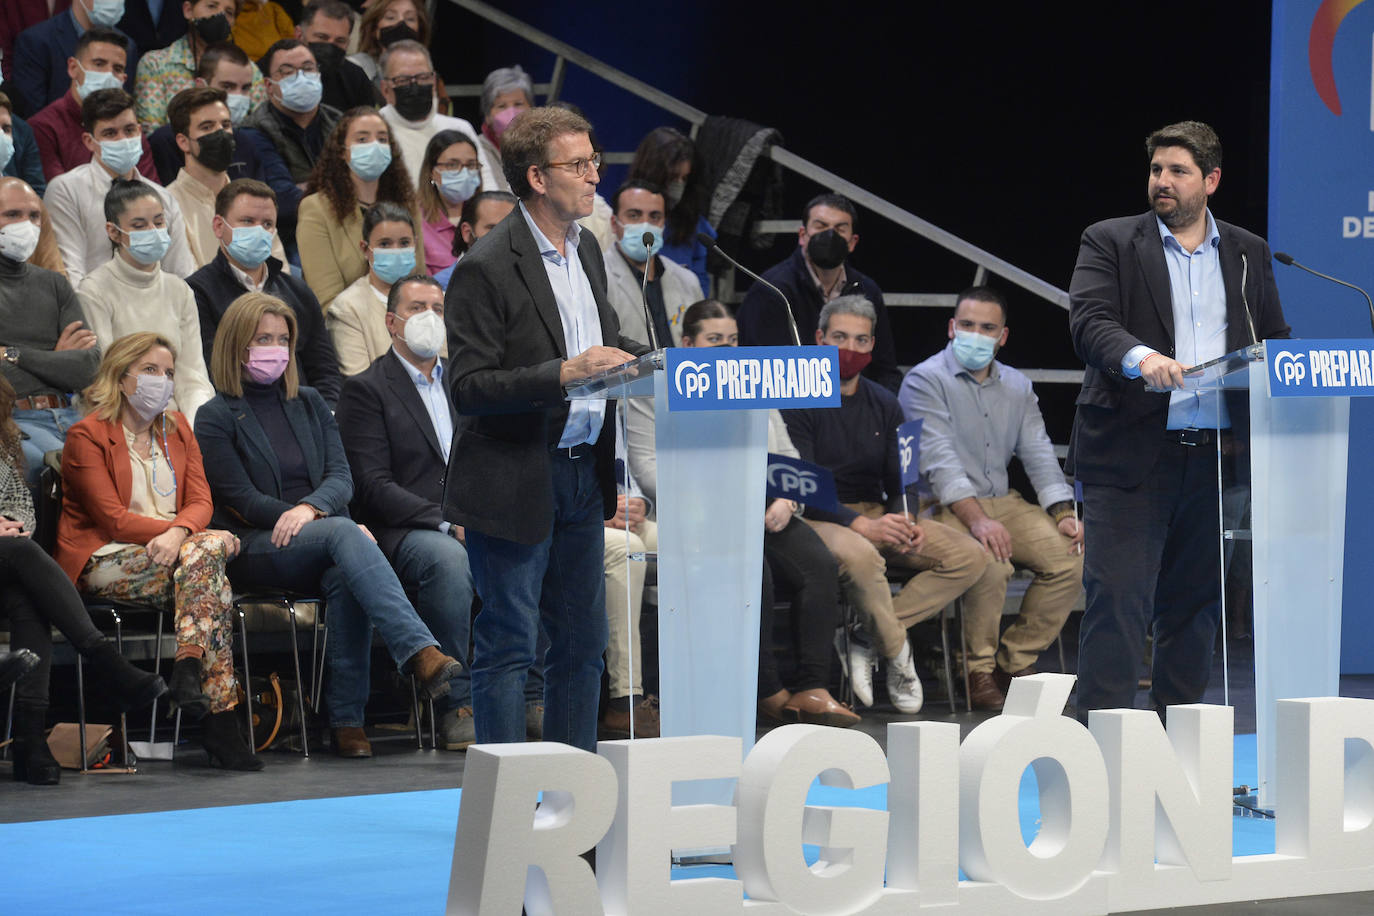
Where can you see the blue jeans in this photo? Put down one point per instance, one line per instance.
(335, 557)
(559, 581)
(434, 568)
(46, 430)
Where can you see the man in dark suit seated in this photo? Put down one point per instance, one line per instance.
(1152, 295)
(532, 476)
(245, 219)
(396, 421)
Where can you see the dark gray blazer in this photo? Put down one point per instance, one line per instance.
(1119, 297)
(506, 346)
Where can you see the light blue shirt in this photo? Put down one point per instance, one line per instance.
(1198, 294)
(431, 394)
(581, 324)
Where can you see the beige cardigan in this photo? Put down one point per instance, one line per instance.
(331, 256)
(357, 325)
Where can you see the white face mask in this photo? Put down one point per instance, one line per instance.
(424, 334)
(19, 240)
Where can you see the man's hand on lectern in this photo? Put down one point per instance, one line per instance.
(591, 361)
(1159, 371)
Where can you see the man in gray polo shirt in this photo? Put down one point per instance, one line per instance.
(978, 414)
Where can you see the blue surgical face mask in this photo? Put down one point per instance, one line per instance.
(251, 245)
(301, 91)
(973, 350)
(105, 12)
(632, 242)
(458, 185)
(238, 107)
(94, 80)
(147, 246)
(120, 156)
(391, 264)
(6, 149)
(369, 160)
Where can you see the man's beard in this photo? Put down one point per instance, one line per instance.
(1184, 212)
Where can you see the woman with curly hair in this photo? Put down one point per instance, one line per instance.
(668, 158)
(359, 167)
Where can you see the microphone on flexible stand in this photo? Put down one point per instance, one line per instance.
(711, 245)
(1244, 274)
(648, 240)
(1287, 260)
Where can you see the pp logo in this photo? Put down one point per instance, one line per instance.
(904, 445)
(789, 480)
(1289, 368)
(692, 379)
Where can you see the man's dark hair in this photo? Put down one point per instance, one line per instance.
(393, 298)
(329, 9)
(984, 294)
(469, 215)
(102, 105)
(284, 44)
(641, 184)
(236, 189)
(835, 202)
(187, 102)
(124, 192)
(100, 35)
(1194, 136)
(526, 142)
(209, 60)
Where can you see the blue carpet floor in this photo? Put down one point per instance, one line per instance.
(359, 854)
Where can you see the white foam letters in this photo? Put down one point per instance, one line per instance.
(1325, 781)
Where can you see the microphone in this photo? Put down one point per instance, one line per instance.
(648, 240)
(1244, 274)
(711, 245)
(1287, 261)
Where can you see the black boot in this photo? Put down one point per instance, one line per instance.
(14, 665)
(133, 686)
(32, 759)
(225, 744)
(186, 688)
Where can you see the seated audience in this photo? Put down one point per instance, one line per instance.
(165, 72)
(76, 198)
(449, 174)
(870, 531)
(38, 596)
(19, 157)
(96, 64)
(481, 212)
(134, 528)
(666, 158)
(978, 413)
(409, 85)
(43, 53)
(383, 23)
(259, 24)
(205, 136)
(18, 15)
(396, 421)
(244, 227)
(292, 118)
(326, 26)
(670, 288)
(506, 92)
(151, 24)
(818, 272)
(356, 319)
(131, 293)
(49, 353)
(359, 168)
(281, 483)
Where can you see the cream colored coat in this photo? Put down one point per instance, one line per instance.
(331, 256)
(357, 326)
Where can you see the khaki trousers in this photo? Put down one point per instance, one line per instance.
(618, 574)
(1038, 545)
(947, 564)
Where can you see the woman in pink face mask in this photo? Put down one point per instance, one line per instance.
(506, 92)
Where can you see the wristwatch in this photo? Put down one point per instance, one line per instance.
(12, 355)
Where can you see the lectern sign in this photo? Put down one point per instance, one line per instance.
(752, 378)
(1321, 368)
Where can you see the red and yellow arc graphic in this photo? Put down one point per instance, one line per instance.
(1320, 43)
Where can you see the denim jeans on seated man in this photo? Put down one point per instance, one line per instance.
(44, 431)
(570, 600)
(334, 557)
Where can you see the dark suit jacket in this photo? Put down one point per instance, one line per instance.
(241, 465)
(396, 457)
(39, 71)
(1119, 297)
(506, 347)
(138, 25)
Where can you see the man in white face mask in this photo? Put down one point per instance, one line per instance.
(41, 67)
(48, 352)
(396, 421)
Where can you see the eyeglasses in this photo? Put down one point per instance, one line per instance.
(453, 165)
(578, 166)
(417, 79)
(286, 71)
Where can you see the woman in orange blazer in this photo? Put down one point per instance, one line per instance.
(133, 528)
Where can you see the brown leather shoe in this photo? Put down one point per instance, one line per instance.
(771, 707)
(818, 707)
(433, 669)
(983, 692)
(350, 742)
(616, 722)
(1004, 680)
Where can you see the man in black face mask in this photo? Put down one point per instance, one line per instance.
(408, 84)
(816, 273)
(325, 26)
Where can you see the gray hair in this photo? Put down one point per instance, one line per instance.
(855, 304)
(407, 46)
(504, 79)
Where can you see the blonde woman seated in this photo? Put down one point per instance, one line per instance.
(131, 292)
(133, 528)
(357, 319)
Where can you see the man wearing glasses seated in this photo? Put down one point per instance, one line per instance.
(293, 117)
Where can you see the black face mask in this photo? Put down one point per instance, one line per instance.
(414, 102)
(216, 150)
(398, 32)
(212, 29)
(828, 249)
(328, 56)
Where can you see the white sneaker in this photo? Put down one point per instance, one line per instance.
(858, 662)
(903, 686)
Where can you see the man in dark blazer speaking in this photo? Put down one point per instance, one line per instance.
(532, 476)
(1151, 296)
